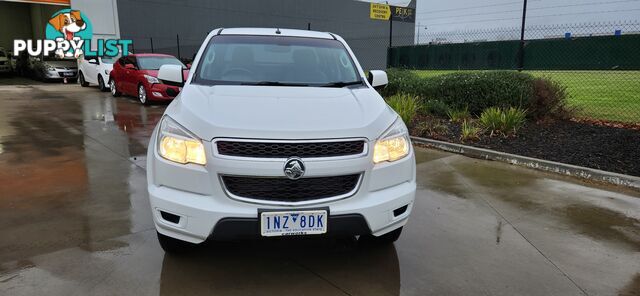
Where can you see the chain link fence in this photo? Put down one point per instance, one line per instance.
(371, 50)
(599, 63)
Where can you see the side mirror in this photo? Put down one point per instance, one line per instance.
(378, 79)
(129, 66)
(171, 75)
(93, 61)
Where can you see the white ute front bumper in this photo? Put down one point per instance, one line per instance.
(190, 203)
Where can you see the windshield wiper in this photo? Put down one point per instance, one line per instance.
(274, 83)
(341, 83)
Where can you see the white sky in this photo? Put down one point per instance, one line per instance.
(449, 15)
(390, 2)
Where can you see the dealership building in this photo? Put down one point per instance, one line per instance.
(179, 27)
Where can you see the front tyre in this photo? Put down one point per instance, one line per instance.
(101, 85)
(114, 90)
(142, 95)
(173, 246)
(83, 82)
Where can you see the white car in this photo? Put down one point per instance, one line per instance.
(277, 132)
(95, 70)
(5, 62)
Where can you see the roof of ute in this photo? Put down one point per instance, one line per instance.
(274, 32)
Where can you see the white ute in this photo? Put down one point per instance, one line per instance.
(277, 132)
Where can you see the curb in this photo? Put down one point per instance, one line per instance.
(534, 163)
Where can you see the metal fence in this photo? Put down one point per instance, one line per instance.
(371, 50)
(178, 46)
(599, 63)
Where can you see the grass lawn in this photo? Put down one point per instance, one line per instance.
(606, 95)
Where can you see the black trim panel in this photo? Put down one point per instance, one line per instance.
(249, 228)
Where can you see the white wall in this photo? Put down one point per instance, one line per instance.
(103, 15)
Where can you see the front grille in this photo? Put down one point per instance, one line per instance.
(286, 150)
(283, 189)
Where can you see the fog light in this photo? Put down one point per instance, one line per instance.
(156, 94)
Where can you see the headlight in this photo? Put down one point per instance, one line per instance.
(394, 143)
(177, 144)
(151, 79)
(50, 68)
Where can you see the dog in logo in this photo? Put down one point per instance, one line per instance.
(68, 24)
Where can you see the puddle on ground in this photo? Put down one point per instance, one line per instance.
(633, 288)
(527, 191)
(426, 155)
(604, 224)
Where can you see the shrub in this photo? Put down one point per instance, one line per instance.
(549, 100)
(430, 127)
(458, 115)
(499, 121)
(469, 131)
(513, 119)
(400, 81)
(435, 107)
(491, 119)
(480, 90)
(406, 106)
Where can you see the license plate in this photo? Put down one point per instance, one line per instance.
(68, 74)
(293, 223)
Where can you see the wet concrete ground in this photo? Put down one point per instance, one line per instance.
(75, 220)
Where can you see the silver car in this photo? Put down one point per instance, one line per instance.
(52, 68)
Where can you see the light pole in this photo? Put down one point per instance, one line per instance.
(521, 51)
(425, 28)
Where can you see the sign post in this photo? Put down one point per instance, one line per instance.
(385, 12)
(379, 11)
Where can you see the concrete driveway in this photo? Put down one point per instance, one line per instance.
(75, 220)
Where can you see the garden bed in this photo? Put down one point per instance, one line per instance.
(512, 112)
(595, 146)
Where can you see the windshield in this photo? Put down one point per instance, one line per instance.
(110, 60)
(53, 58)
(268, 60)
(154, 63)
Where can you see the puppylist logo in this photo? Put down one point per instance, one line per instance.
(69, 33)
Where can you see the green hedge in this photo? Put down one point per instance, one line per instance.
(475, 91)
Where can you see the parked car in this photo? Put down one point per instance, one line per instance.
(277, 132)
(95, 70)
(22, 65)
(5, 62)
(51, 68)
(13, 60)
(136, 75)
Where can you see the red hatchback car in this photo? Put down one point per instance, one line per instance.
(137, 75)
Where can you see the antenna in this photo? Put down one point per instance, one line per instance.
(278, 31)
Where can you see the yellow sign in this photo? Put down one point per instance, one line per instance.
(380, 11)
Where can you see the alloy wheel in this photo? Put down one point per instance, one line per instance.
(142, 94)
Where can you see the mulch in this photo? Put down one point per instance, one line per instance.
(598, 146)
